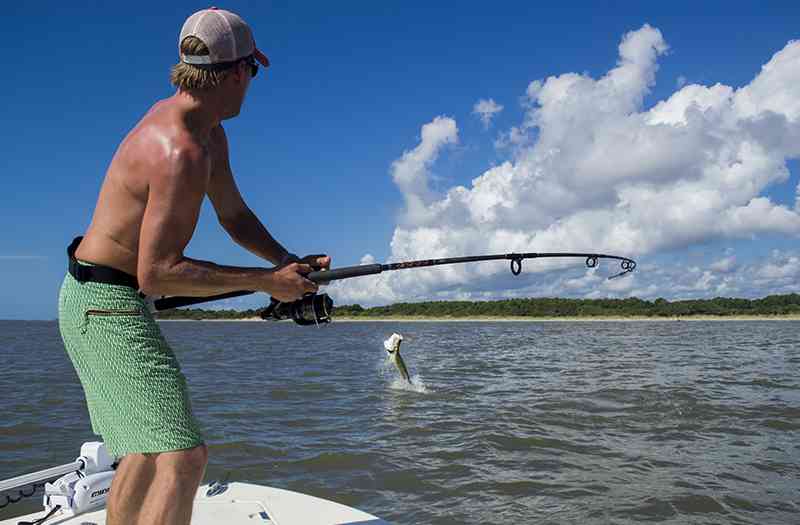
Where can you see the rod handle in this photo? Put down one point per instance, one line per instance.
(167, 303)
(326, 276)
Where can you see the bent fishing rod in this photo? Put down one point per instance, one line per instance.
(316, 308)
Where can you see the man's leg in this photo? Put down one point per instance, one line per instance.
(171, 493)
(131, 482)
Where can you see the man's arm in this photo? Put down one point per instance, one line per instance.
(173, 206)
(234, 215)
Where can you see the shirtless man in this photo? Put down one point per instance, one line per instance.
(145, 216)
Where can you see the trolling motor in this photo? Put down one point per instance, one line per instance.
(316, 309)
(70, 489)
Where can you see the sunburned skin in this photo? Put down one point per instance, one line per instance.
(113, 235)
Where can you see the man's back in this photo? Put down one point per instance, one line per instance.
(148, 151)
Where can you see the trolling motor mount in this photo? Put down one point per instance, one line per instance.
(312, 309)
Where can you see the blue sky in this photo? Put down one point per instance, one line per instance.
(326, 136)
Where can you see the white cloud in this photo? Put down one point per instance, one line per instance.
(486, 110)
(724, 265)
(515, 139)
(592, 169)
(680, 82)
(771, 91)
(410, 172)
(779, 268)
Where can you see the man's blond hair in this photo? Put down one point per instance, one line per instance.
(187, 76)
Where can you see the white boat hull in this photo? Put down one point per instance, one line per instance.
(243, 504)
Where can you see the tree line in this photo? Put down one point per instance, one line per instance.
(198, 314)
(771, 305)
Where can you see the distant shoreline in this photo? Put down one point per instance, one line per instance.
(417, 319)
(547, 309)
(410, 319)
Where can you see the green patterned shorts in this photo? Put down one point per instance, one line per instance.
(136, 393)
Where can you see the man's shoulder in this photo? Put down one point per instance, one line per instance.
(167, 140)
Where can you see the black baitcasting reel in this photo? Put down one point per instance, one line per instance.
(311, 309)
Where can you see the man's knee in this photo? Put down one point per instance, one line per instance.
(196, 458)
(190, 462)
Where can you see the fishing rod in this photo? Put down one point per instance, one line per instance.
(317, 308)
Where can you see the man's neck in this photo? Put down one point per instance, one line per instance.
(201, 111)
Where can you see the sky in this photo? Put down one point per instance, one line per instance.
(385, 131)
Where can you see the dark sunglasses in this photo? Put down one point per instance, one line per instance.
(251, 61)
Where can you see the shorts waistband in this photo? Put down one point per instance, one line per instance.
(97, 273)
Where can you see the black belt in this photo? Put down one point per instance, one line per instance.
(97, 273)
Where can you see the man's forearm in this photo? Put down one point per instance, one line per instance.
(192, 277)
(248, 232)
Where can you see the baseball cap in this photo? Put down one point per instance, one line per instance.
(227, 37)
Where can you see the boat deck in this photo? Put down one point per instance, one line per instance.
(240, 504)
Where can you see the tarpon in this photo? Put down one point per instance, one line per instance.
(392, 346)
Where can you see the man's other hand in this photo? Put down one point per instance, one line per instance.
(318, 261)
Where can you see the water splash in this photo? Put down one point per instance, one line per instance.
(416, 385)
(387, 369)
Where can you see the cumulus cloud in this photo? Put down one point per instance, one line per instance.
(410, 172)
(775, 273)
(591, 169)
(724, 265)
(485, 110)
(781, 267)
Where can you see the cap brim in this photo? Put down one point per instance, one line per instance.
(261, 57)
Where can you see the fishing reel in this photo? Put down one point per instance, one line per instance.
(312, 309)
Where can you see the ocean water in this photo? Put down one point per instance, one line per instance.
(506, 423)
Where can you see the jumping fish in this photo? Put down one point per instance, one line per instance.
(392, 346)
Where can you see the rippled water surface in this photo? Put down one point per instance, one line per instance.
(590, 423)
